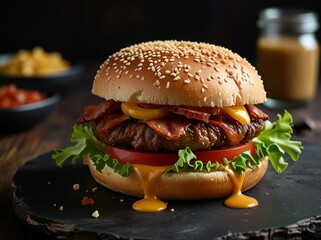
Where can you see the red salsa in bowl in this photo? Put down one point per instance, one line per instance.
(11, 96)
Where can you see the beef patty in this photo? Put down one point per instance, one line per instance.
(198, 135)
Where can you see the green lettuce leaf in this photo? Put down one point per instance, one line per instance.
(275, 140)
(85, 143)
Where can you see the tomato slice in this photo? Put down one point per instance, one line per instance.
(161, 159)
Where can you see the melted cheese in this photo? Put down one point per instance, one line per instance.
(238, 199)
(138, 112)
(149, 176)
(239, 113)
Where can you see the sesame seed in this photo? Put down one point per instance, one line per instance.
(216, 69)
(196, 60)
(177, 78)
(168, 84)
(187, 81)
(190, 75)
(167, 71)
(157, 83)
(231, 72)
(162, 77)
(137, 76)
(173, 74)
(142, 78)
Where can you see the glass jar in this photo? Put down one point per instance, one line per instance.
(288, 56)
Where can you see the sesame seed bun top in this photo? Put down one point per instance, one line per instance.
(179, 73)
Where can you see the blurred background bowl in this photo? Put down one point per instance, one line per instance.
(61, 82)
(24, 117)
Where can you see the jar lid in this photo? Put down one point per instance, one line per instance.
(288, 20)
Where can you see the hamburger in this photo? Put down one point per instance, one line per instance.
(178, 121)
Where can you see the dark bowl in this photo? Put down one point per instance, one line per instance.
(24, 117)
(61, 82)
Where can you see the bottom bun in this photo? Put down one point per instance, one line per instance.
(179, 186)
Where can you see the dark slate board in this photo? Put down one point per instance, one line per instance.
(283, 200)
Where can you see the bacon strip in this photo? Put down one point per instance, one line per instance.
(170, 128)
(109, 121)
(233, 130)
(191, 113)
(92, 112)
(256, 113)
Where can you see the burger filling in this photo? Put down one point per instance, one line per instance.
(187, 138)
(181, 127)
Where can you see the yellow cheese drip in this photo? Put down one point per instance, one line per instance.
(239, 113)
(149, 176)
(238, 199)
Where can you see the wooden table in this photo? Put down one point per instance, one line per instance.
(17, 149)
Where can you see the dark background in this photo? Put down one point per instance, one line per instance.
(93, 29)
